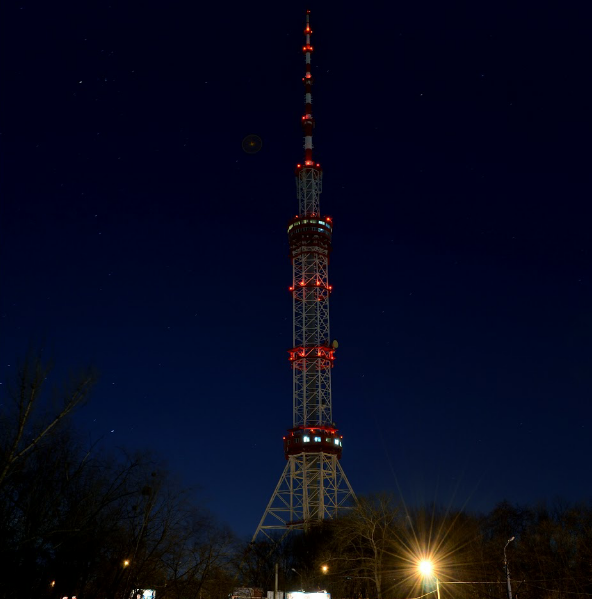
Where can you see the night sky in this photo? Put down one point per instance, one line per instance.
(137, 236)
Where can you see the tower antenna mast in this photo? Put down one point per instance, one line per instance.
(313, 485)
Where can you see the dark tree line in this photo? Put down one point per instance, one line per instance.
(374, 552)
(77, 522)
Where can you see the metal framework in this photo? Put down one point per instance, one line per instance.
(313, 486)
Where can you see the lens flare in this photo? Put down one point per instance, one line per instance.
(426, 568)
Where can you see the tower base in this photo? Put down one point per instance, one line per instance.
(312, 488)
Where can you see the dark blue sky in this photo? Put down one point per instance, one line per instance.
(136, 235)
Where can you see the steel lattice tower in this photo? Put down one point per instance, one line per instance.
(313, 486)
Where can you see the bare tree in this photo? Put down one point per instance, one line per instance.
(74, 521)
(24, 428)
(363, 541)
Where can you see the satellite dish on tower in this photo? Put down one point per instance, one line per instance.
(252, 144)
(334, 344)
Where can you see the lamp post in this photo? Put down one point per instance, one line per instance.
(426, 569)
(508, 569)
(301, 585)
(325, 571)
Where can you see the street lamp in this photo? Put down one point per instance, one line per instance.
(301, 585)
(426, 569)
(325, 568)
(507, 569)
(126, 563)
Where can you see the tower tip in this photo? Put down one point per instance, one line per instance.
(307, 119)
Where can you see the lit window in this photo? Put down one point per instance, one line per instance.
(305, 439)
(336, 441)
(317, 439)
(328, 440)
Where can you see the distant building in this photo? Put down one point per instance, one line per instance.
(248, 593)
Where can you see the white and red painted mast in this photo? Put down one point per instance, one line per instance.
(313, 486)
(307, 120)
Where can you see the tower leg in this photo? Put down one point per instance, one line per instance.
(312, 487)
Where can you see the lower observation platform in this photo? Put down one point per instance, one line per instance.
(313, 439)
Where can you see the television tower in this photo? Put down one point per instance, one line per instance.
(313, 486)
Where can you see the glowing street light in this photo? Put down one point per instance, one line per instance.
(325, 568)
(426, 569)
(126, 563)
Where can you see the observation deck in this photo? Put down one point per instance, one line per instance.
(313, 439)
(311, 230)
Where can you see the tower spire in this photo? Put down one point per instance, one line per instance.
(313, 486)
(307, 119)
